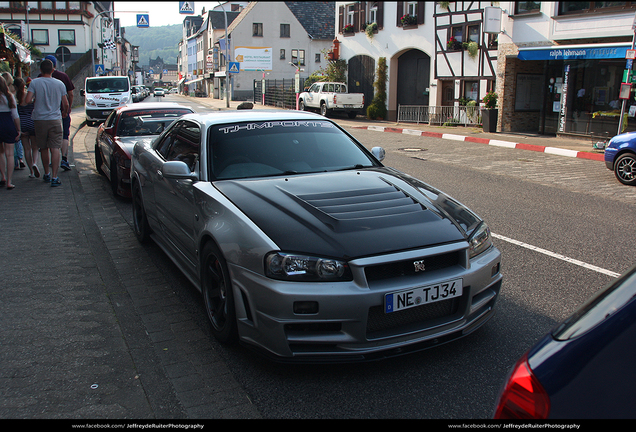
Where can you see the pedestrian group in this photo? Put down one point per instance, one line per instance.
(35, 120)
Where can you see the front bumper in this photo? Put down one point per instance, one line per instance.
(350, 324)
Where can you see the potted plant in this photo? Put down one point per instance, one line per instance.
(473, 49)
(370, 29)
(490, 112)
(408, 20)
(348, 28)
(453, 44)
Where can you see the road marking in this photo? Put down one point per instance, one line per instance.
(557, 256)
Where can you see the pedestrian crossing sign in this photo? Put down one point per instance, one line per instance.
(186, 7)
(234, 67)
(99, 69)
(143, 20)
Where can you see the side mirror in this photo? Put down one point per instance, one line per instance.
(379, 153)
(178, 170)
(82, 92)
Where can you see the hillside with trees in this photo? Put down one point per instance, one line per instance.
(156, 42)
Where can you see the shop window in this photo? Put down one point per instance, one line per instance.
(527, 7)
(257, 29)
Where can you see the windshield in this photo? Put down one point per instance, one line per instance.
(269, 148)
(107, 85)
(147, 122)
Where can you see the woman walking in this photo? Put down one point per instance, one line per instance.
(31, 150)
(9, 133)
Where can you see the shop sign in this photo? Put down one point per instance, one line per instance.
(573, 53)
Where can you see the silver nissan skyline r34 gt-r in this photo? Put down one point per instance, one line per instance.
(304, 245)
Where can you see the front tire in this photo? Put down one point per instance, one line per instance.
(625, 169)
(218, 299)
(141, 228)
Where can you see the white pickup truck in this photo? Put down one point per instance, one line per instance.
(329, 97)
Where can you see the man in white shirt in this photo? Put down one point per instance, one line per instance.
(47, 94)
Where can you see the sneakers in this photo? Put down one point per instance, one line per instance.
(65, 166)
(36, 171)
(46, 178)
(55, 182)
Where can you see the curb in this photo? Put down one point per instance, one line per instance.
(493, 142)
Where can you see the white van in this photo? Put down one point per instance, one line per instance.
(104, 94)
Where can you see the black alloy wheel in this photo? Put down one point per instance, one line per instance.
(218, 299)
(625, 169)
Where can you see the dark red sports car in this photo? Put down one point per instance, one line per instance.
(118, 134)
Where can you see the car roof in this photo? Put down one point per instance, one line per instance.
(152, 105)
(223, 117)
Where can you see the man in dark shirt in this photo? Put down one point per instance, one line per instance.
(66, 121)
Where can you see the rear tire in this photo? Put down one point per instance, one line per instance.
(98, 160)
(324, 111)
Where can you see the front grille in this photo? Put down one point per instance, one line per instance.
(407, 267)
(381, 324)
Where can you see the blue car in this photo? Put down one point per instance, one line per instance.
(585, 368)
(620, 157)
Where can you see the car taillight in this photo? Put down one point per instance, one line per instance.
(523, 397)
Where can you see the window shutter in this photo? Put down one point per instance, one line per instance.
(340, 19)
(420, 12)
(380, 16)
(400, 13)
(356, 17)
(362, 13)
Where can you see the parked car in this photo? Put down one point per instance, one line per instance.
(584, 368)
(159, 92)
(304, 245)
(137, 93)
(329, 97)
(620, 157)
(123, 127)
(173, 90)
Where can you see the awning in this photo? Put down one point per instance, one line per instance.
(180, 81)
(574, 52)
(194, 80)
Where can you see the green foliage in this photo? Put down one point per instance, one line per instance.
(156, 42)
(317, 76)
(377, 108)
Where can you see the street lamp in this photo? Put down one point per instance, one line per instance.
(227, 72)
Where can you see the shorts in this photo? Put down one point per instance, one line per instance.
(8, 132)
(66, 125)
(48, 133)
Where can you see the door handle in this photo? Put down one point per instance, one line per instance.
(160, 174)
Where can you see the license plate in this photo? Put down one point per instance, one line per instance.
(401, 300)
(105, 113)
(348, 106)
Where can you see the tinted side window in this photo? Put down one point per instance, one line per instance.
(163, 145)
(185, 146)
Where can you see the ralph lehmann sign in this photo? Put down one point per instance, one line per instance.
(573, 53)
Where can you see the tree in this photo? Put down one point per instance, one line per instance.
(377, 108)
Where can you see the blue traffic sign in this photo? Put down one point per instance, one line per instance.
(234, 67)
(143, 20)
(99, 69)
(186, 7)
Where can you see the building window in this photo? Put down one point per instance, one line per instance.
(257, 29)
(284, 30)
(566, 8)
(373, 12)
(60, 5)
(317, 58)
(527, 7)
(473, 33)
(411, 8)
(40, 37)
(282, 54)
(66, 37)
(351, 13)
(298, 57)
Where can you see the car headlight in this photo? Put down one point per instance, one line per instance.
(479, 241)
(295, 267)
(90, 102)
(124, 100)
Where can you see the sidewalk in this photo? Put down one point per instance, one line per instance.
(561, 146)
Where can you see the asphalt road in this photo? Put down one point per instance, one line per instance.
(571, 209)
